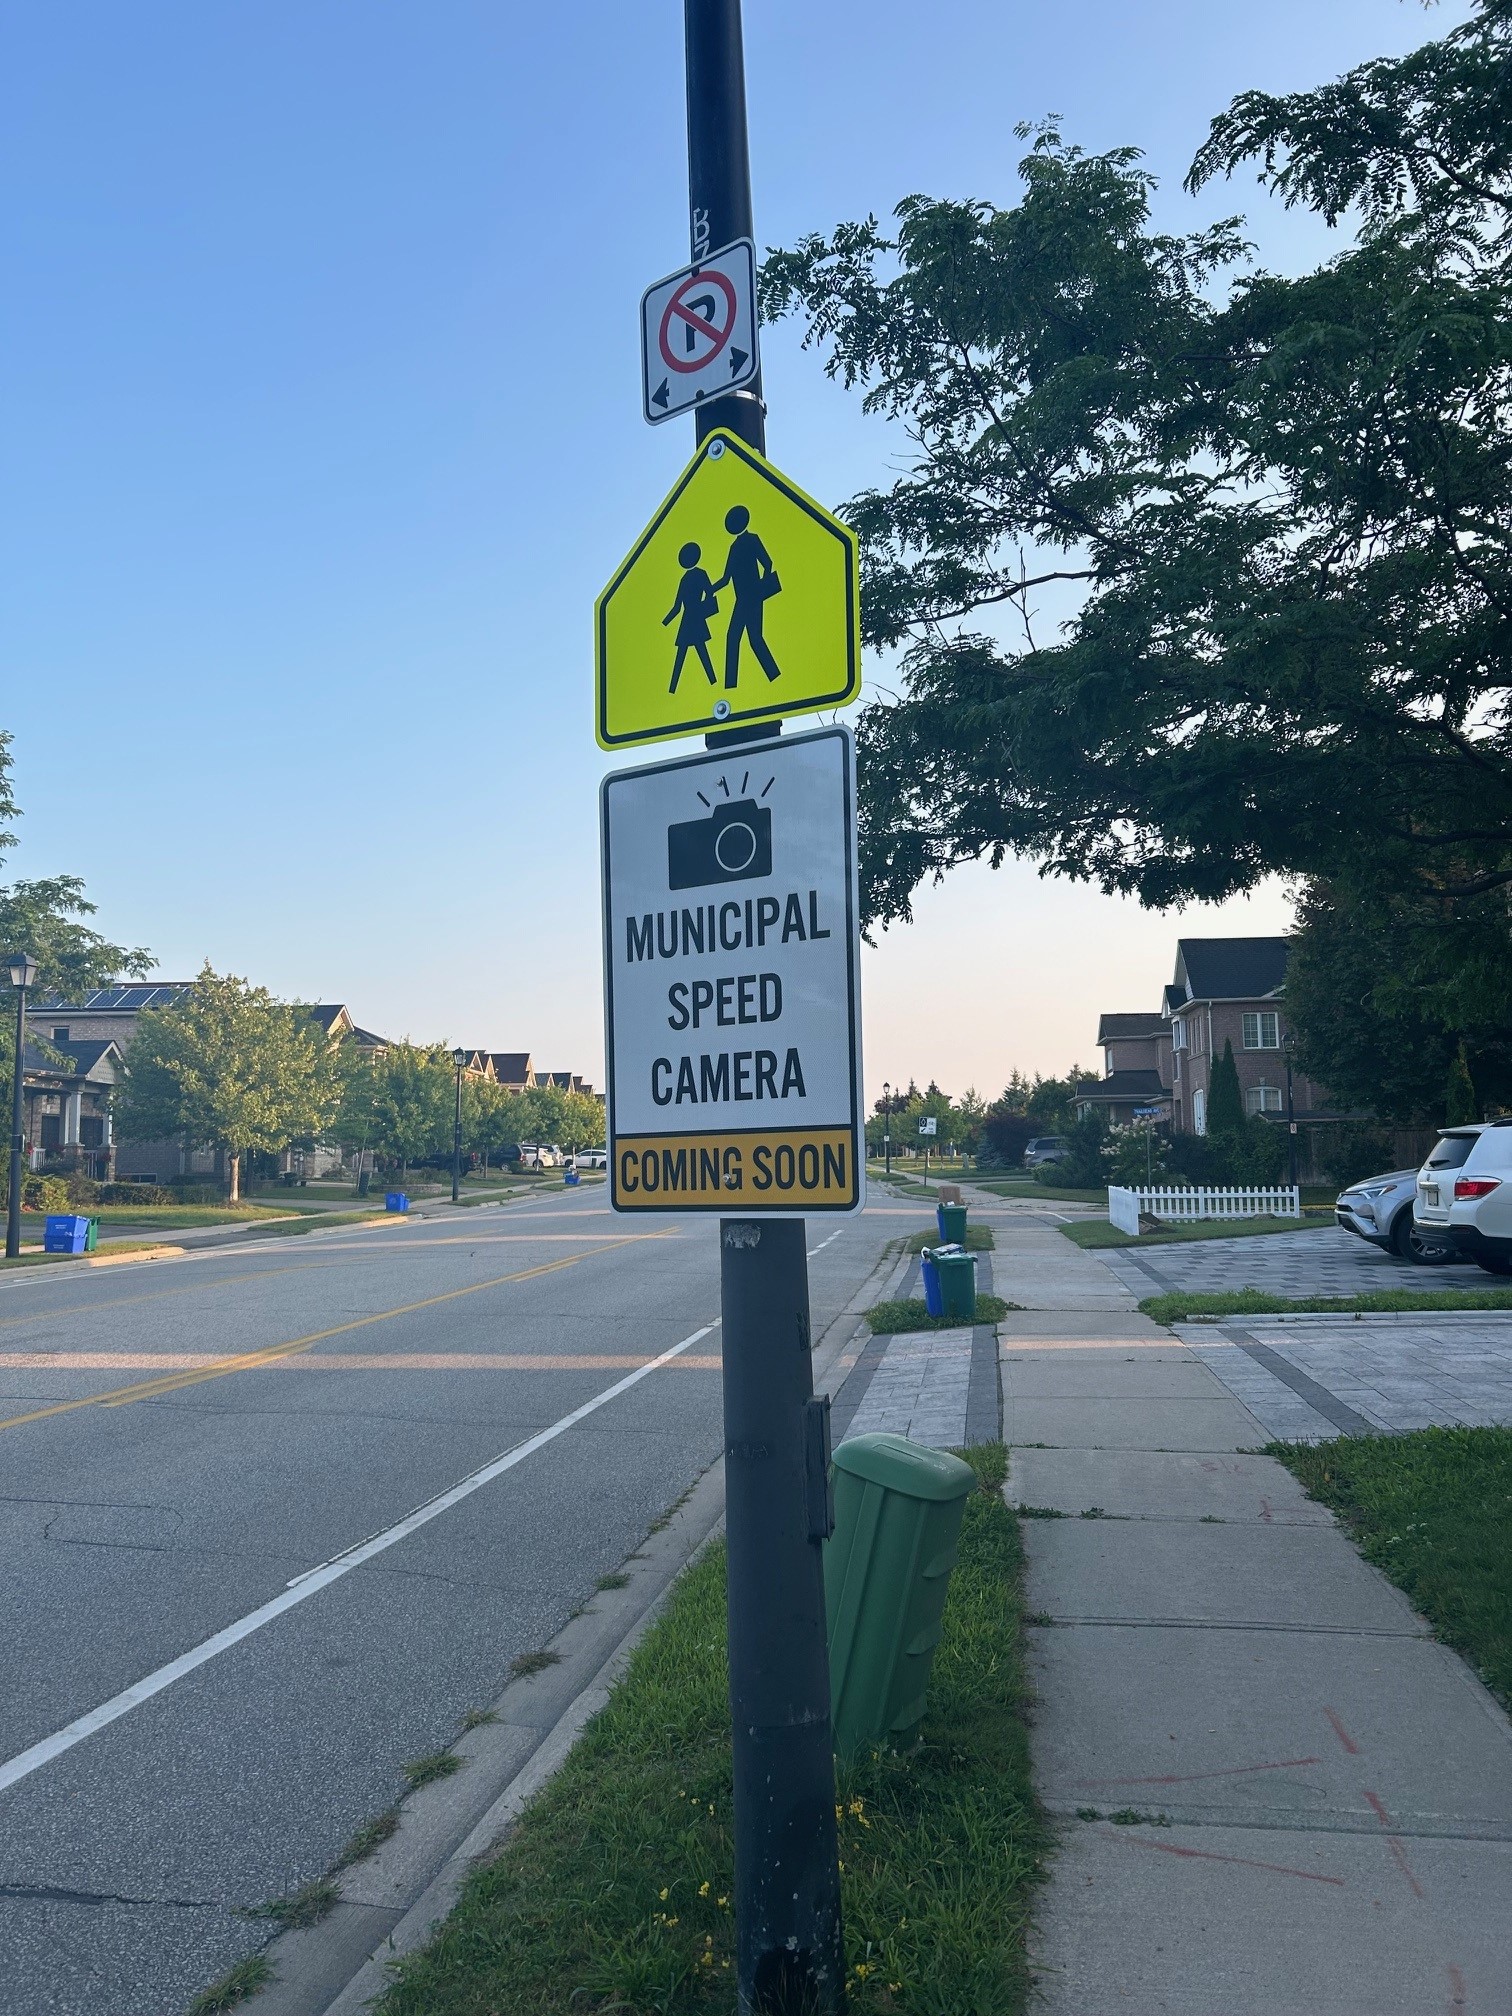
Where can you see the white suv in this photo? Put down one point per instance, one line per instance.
(1465, 1189)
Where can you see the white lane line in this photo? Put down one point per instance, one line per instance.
(316, 1579)
(822, 1244)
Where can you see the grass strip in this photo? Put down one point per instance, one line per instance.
(1026, 1186)
(979, 1239)
(886, 1318)
(1433, 1510)
(615, 1890)
(1098, 1232)
(1180, 1305)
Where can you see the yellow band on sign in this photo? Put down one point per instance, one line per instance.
(739, 601)
(807, 1168)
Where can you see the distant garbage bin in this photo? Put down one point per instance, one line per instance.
(949, 1277)
(395, 1200)
(951, 1219)
(572, 1179)
(66, 1233)
(898, 1508)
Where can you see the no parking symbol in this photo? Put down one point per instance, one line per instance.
(698, 332)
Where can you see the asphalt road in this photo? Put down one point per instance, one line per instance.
(183, 1442)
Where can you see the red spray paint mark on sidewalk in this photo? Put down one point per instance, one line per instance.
(1209, 1855)
(1393, 1842)
(1193, 1777)
(1265, 1511)
(1342, 1733)
(1457, 1996)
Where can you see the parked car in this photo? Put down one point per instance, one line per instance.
(1046, 1148)
(539, 1157)
(1380, 1211)
(1465, 1189)
(592, 1158)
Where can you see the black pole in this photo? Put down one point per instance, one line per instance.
(457, 1143)
(18, 1138)
(1291, 1123)
(790, 1959)
(719, 175)
(887, 1127)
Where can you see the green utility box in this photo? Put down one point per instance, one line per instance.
(887, 1566)
(951, 1219)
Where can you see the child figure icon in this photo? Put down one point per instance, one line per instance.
(696, 602)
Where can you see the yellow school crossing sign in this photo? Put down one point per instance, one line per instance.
(739, 601)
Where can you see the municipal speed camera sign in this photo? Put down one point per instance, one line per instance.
(731, 981)
(698, 332)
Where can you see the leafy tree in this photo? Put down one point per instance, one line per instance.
(1382, 989)
(1085, 1166)
(45, 917)
(407, 1103)
(1282, 508)
(1459, 1094)
(232, 1069)
(1225, 1106)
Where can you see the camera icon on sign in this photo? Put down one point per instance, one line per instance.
(734, 844)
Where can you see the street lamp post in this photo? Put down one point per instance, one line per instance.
(1291, 1113)
(887, 1124)
(23, 972)
(459, 1058)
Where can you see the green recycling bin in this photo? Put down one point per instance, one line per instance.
(951, 1219)
(92, 1236)
(898, 1508)
(949, 1277)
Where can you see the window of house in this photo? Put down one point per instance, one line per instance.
(1199, 1111)
(1263, 1099)
(1261, 1031)
(92, 1131)
(60, 1035)
(1178, 1036)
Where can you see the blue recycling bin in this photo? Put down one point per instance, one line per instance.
(395, 1200)
(572, 1179)
(66, 1233)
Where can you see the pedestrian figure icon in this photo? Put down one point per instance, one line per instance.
(750, 572)
(696, 602)
(737, 569)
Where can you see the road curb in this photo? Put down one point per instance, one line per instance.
(392, 1902)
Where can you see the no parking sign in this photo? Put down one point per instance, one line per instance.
(698, 332)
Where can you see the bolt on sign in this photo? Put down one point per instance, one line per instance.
(731, 981)
(740, 601)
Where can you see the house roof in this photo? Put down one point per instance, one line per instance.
(82, 1058)
(1137, 1087)
(127, 999)
(1173, 998)
(512, 1067)
(365, 1039)
(1231, 969)
(329, 1013)
(1117, 1028)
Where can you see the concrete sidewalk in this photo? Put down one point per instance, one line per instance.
(1313, 1798)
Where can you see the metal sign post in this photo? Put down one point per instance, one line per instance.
(789, 1955)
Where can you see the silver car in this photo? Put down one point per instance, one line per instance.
(1380, 1211)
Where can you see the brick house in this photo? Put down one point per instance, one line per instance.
(1136, 1069)
(1231, 990)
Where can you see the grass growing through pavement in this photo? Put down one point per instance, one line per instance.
(978, 1239)
(1180, 1305)
(1433, 1510)
(238, 1986)
(886, 1318)
(614, 1892)
(1098, 1232)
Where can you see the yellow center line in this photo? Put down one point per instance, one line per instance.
(249, 1361)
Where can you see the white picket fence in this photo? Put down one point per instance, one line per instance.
(1184, 1206)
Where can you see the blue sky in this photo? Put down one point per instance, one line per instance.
(321, 432)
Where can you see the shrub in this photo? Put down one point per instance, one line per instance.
(1006, 1136)
(1355, 1149)
(1138, 1156)
(136, 1193)
(38, 1193)
(82, 1189)
(1085, 1166)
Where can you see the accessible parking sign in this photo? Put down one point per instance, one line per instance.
(731, 981)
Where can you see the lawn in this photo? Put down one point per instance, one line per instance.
(886, 1318)
(1098, 1232)
(978, 1239)
(1026, 1186)
(1182, 1305)
(614, 1891)
(1433, 1510)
